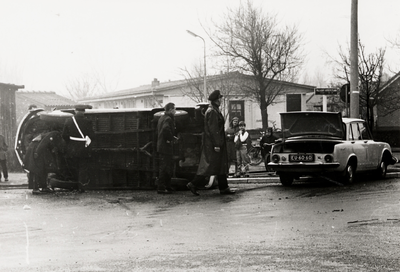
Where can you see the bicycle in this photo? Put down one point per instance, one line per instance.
(255, 155)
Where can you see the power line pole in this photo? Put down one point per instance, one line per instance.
(354, 91)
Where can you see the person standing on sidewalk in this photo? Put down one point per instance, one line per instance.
(230, 144)
(3, 158)
(214, 156)
(165, 141)
(243, 143)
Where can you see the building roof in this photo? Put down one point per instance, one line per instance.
(164, 86)
(11, 86)
(45, 98)
(390, 82)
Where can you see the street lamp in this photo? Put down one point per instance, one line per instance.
(205, 74)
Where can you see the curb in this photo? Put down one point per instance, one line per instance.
(254, 180)
(16, 186)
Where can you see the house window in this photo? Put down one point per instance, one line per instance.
(236, 109)
(293, 102)
(317, 107)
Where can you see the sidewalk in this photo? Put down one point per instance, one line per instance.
(15, 179)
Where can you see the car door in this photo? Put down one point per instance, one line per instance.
(360, 148)
(374, 149)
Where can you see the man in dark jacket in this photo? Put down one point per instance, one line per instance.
(78, 134)
(43, 156)
(214, 155)
(165, 141)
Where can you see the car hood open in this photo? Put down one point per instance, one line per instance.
(312, 124)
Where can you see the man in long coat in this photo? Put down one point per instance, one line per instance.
(165, 141)
(214, 155)
(78, 134)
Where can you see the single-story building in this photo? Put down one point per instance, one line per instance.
(388, 125)
(293, 97)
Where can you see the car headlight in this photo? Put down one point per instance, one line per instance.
(275, 158)
(328, 158)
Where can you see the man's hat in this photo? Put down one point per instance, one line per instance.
(215, 95)
(81, 107)
(235, 118)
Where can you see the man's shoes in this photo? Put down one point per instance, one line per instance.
(41, 191)
(164, 192)
(6, 180)
(192, 188)
(227, 191)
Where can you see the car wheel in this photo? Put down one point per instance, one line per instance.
(382, 170)
(286, 179)
(349, 173)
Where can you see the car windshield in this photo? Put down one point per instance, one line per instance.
(312, 124)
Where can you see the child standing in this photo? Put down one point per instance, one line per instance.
(243, 144)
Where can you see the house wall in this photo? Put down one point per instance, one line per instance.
(253, 112)
(388, 127)
(391, 120)
(8, 124)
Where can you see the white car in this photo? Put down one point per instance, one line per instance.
(326, 145)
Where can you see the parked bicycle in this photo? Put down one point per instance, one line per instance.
(255, 155)
(260, 153)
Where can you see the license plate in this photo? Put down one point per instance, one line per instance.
(301, 158)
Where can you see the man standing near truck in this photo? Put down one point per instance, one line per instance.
(214, 156)
(165, 141)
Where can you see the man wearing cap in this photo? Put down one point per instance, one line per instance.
(214, 156)
(165, 141)
(78, 134)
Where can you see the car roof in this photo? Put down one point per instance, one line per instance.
(347, 120)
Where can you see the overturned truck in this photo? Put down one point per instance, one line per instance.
(124, 150)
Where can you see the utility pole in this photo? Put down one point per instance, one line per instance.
(354, 91)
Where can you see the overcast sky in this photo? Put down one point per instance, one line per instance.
(46, 44)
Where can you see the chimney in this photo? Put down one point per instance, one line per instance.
(155, 83)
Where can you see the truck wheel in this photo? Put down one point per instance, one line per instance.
(286, 179)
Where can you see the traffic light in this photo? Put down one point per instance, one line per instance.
(343, 90)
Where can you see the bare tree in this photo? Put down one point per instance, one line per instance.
(89, 84)
(228, 83)
(82, 87)
(194, 83)
(256, 46)
(370, 71)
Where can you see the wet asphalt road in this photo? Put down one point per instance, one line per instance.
(311, 226)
